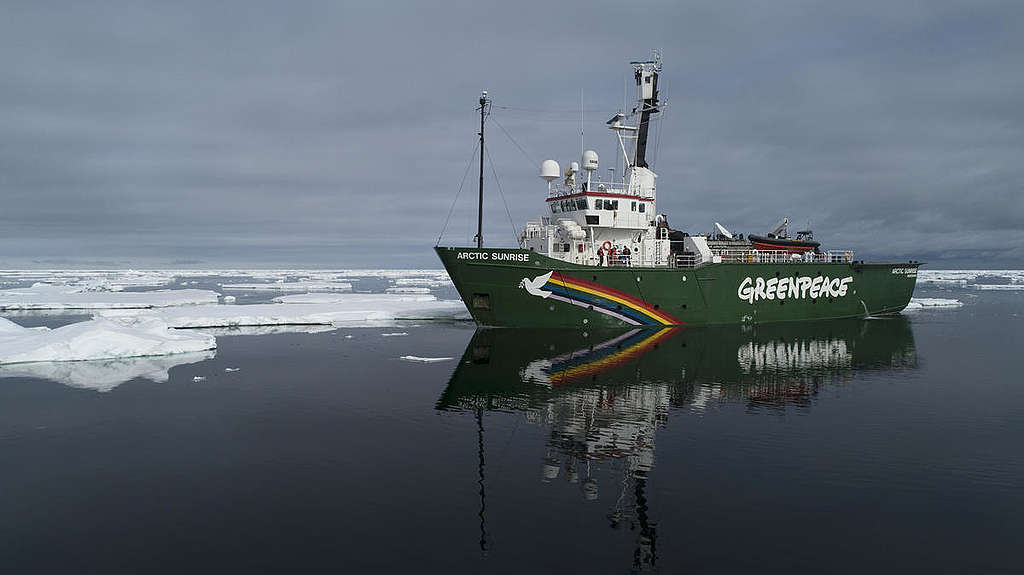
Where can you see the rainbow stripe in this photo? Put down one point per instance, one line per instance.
(585, 364)
(606, 300)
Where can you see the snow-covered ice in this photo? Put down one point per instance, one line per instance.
(425, 359)
(296, 286)
(327, 309)
(48, 296)
(918, 303)
(964, 277)
(405, 289)
(428, 282)
(97, 339)
(998, 287)
(104, 375)
(396, 334)
(266, 329)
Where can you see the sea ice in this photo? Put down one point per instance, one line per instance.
(964, 277)
(47, 296)
(296, 286)
(425, 359)
(104, 375)
(998, 287)
(96, 339)
(428, 282)
(918, 303)
(265, 329)
(329, 309)
(404, 289)
(398, 334)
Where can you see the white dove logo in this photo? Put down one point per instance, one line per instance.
(532, 287)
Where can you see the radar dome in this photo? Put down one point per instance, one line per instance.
(590, 160)
(574, 167)
(550, 170)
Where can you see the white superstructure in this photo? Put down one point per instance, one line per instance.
(615, 222)
(599, 222)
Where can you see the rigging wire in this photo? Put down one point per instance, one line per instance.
(574, 113)
(451, 209)
(526, 154)
(515, 232)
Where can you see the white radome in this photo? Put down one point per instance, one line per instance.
(590, 162)
(550, 170)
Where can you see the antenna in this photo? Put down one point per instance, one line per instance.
(582, 147)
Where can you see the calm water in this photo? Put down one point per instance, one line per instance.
(844, 447)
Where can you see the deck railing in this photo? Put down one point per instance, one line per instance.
(782, 256)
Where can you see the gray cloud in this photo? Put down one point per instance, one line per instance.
(336, 133)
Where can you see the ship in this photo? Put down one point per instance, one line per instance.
(602, 256)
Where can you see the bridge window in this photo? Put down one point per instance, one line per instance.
(581, 204)
(632, 206)
(642, 207)
(593, 220)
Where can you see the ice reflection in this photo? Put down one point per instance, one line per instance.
(603, 396)
(104, 375)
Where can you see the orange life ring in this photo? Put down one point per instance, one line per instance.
(606, 246)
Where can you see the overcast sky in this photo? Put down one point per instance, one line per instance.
(335, 134)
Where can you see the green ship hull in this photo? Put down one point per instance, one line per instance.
(520, 288)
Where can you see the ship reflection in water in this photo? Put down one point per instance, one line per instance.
(604, 395)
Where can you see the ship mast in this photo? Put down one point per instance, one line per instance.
(480, 201)
(646, 74)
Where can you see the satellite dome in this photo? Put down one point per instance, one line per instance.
(590, 160)
(574, 167)
(550, 170)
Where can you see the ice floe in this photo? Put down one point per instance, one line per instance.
(311, 309)
(266, 329)
(396, 334)
(425, 359)
(965, 277)
(48, 296)
(405, 289)
(97, 339)
(997, 287)
(427, 282)
(919, 303)
(297, 286)
(104, 375)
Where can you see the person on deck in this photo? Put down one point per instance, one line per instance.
(600, 256)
